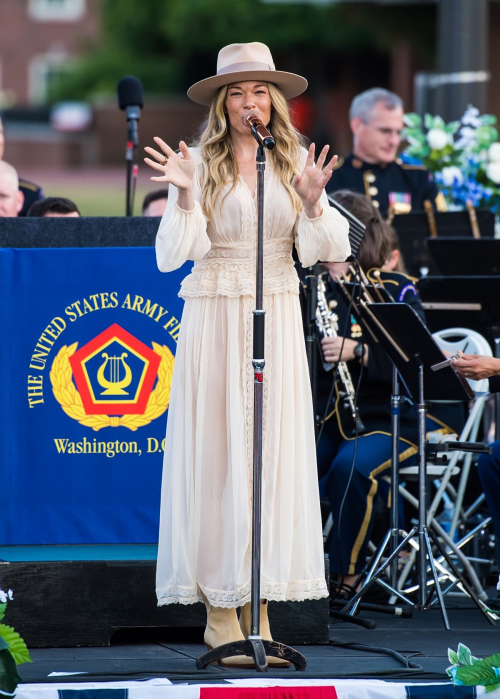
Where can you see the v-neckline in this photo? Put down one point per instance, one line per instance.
(253, 197)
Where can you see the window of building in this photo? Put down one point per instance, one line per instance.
(56, 10)
(44, 71)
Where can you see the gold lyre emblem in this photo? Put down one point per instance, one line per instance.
(114, 385)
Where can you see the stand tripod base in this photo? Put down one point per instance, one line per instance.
(424, 535)
(254, 648)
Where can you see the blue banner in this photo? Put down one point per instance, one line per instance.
(443, 691)
(86, 360)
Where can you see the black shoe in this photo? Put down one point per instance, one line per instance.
(374, 595)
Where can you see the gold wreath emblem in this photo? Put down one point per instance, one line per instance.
(71, 402)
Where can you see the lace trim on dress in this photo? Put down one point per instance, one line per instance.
(230, 271)
(294, 591)
(222, 286)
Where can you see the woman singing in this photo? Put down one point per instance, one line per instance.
(211, 217)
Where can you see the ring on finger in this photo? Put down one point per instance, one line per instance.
(164, 161)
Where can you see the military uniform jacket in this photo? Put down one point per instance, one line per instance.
(32, 192)
(395, 188)
(374, 397)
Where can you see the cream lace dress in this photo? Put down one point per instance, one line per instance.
(205, 522)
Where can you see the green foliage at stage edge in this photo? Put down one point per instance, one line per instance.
(463, 155)
(13, 650)
(469, 671)
(170, 45)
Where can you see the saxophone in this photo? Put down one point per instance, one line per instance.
(327, 323)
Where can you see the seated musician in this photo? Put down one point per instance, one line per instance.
(352, 491)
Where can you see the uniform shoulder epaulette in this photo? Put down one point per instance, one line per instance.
(29, 185)
(406, 276)
(409, 166)
(373, 277)
(395, 272)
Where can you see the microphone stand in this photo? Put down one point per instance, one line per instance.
(311, 292)
(256, 647)
(133, 115)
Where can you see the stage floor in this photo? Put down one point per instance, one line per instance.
(171, 654)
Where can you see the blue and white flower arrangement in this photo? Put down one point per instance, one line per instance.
(464, 156)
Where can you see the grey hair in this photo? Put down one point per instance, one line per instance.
(363, 105)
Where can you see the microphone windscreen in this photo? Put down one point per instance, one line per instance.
(130, 92)
(248, 116)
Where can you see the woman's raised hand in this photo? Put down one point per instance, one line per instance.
(178, 170)
(311, 183)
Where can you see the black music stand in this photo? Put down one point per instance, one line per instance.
(413, 351)
(461, 255)
(351, 291)
(465, 301)
(413, 233)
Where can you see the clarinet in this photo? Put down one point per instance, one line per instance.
(327, 323)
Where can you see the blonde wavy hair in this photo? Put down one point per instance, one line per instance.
(218, 162)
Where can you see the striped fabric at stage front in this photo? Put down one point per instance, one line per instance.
(251, 689)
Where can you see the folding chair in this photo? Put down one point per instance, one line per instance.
(469, 342)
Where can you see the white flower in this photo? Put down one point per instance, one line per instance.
(467, 138)
(450, 175)
(11, 595)
(3, 597)
(494, 152)
(471, 116)
(437, 139)
(493, 172)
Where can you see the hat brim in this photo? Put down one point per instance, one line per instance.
(204, 91)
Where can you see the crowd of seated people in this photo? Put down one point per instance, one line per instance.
(20, 197)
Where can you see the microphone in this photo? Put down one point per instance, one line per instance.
(258, 129)
(130, 97)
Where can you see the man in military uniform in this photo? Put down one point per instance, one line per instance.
(372, 168)
(32, 192)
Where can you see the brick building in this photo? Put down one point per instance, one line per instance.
(37, 38)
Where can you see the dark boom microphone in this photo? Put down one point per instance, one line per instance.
(130, 97)
(131, 100)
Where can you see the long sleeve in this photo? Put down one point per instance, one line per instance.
(182, 235)
(325, 238)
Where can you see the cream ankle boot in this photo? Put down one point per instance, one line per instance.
(265, 629)
(222, 627)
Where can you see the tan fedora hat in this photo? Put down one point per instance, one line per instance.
(246, 62)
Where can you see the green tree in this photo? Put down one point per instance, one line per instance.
(172, 43)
